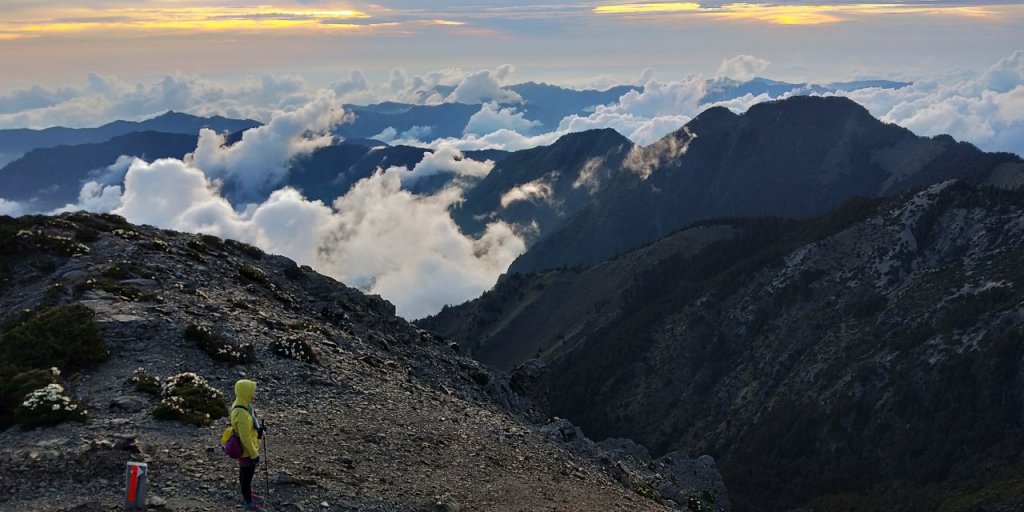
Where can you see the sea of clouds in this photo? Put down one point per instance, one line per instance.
(381, 237)
(378, 236)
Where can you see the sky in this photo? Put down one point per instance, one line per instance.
(50, 42)
(294, 64)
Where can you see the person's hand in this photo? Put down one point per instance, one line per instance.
(256, 461)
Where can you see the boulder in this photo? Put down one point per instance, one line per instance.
(532, 381)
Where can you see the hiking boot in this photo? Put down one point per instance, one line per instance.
(258, 499)
(252, 505)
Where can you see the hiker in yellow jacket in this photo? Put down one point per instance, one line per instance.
(247, 426)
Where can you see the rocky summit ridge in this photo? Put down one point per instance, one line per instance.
(364, 410)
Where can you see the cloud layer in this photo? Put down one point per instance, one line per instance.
(378, 236)
(986, 109)
(260, 160)
(105, 99)
(983, 108)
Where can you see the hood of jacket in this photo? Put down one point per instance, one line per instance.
(245, 389)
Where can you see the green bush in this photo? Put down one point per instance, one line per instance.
(159, 245)
(197, 246)
(249, 250)
(62, 336)
(217, 347)
(294, 348)
(212, 242)
(86, 234)
(284, 297)
(61, 245)
(309, 327)
(145, 382)
(125, 292)
(189, 398)
(15, 384)
(127, 234)
(49, 338)
(294, 273)
(48, 406)
(120, 270)
(253, 273)
(105, 222)
(479, 376)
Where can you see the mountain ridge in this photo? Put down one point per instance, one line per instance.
(812, 358)
(793, 158)
(18, 141)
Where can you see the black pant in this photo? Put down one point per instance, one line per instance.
(245, 474)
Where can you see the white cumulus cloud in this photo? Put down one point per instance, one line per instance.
(378, 236)
(448, 158)
(12, 208)
(536, 190)
(106, 99)
(485, 86)
(742, 67)
(492, 117)
(259, 161)
(985, 109)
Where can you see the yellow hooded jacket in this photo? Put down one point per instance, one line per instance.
(242, 420)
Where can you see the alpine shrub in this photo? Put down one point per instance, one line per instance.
(15, 384)
(253, 273)
(47, 406)
(217, 347)
(145, 382)
(189, 398)
(294, 348)
(63, 336)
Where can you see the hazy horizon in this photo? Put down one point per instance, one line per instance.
(55, 42)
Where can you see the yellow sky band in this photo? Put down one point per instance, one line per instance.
(790, 14)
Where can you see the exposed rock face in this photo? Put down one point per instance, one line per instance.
(872, 357)
(676, 479)
(388, 418)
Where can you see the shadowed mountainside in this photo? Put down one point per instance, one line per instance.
(867, 359)
(49, 178)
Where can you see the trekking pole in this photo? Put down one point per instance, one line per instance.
(266, 464)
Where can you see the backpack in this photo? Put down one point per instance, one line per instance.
(230, 442)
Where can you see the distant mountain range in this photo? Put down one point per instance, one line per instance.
(20, 141)
(49, 178)
(52, 177)
(548, 104)
(543, 103)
